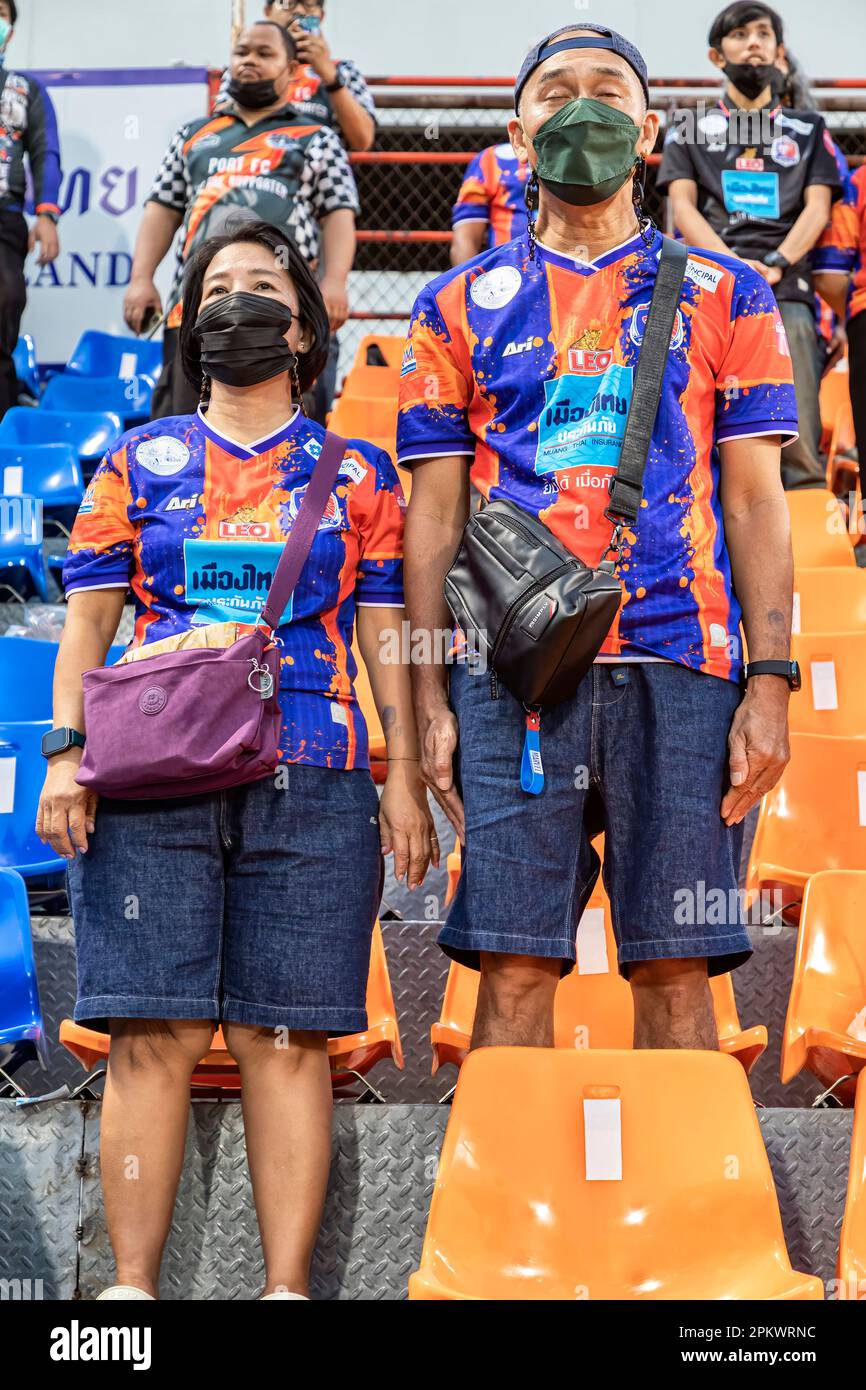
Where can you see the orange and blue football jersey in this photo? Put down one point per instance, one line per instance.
(195, 524)
(527, 367)
(492, 191)
(842, 246)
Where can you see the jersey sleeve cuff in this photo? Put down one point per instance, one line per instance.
(756, 429)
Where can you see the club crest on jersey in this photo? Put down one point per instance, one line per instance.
(333, 517)
(278, 140)
(785, 151)
(637, 327)
(163, 456)
(495, 288)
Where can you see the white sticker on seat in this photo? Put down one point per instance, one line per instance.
(795, 613)
(602, 1130)
(824, 694)
(13, 480)
(7, 786)
(861, 793)
(128, 363)
(592, 943)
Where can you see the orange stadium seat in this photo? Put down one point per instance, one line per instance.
(819, 534)
(837, 422)
(829, 600)
(833, 697)
(350, 1057)
(377, 346)
(360, 417)
(813, 819)
(374, 383)
(593, 1006)
(364, 692)
(604, 1175)
(852, 1246)
(825, 1029)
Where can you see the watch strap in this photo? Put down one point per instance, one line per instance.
(786, 669)
(336, 86)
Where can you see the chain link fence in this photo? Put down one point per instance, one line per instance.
(427, 136)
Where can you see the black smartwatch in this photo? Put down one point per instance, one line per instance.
(59, 740)
(776, 258)
(788, 670)
(336, 86)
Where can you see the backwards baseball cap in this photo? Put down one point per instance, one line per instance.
(609, 38)
(743, 12)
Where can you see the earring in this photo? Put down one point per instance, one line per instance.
(204, 395)
(644, 222)
(296, 386)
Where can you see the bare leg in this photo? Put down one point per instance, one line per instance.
(673, 1006)
(143, 1132)
(515, 1001)
(287, 1102)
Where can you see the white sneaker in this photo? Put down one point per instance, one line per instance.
(125, 1291)
(283, 1293)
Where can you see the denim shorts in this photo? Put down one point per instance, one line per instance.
(645, 746)
(254, 905)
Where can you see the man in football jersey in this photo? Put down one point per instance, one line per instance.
(491, 204)
(517, 378)
(254, 157)
(333, 92)
(754, 180)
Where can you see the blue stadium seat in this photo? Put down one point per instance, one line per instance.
(104, 354)
(50, 472)
(26, 676)
(130, 399)
(26, 365)
(90, 433)
(21, 556)
(22, 1032)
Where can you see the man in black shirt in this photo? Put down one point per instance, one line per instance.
(757, 181)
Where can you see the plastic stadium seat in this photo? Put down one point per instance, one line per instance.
(350, 1057)
(833, 697)
(837, 421)
(105, 354)
(50, 472)
(26, 365)
(593, 1006)
(813, 819)
(26, 675)
(825, 1029)
(363, 417)
(128, 399)
(818, 529)
(382, 349)
(90, 433)
(852, 1246)
(373, 383)
(364, 692)
(22, 1034)
(829, 600)
(571, 1175)
(21, 557)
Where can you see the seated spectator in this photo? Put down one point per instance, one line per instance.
(252, 158)
(491, 204)
(254, 906)
(760, 187)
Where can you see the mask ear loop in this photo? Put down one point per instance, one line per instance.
(644, 221)
(530, 197)
(204, 396)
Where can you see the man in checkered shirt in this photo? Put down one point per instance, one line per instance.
(254, 157)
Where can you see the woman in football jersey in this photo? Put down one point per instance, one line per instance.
(252, 908)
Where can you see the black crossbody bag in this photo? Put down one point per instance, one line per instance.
(528, 607)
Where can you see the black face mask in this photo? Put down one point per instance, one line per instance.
(242, 339)
(255, 96)
(752, 78)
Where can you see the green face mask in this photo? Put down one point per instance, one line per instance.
(586, 151)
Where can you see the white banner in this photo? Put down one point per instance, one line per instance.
(115, 126)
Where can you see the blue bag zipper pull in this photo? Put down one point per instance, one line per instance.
(531, 770)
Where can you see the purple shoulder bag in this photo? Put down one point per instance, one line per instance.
(207, 718)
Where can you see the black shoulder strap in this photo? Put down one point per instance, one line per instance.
(626, 485)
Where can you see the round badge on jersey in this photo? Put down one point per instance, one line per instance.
(785, 151)
(164, 456)
(495, 288)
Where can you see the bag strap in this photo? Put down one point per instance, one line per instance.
(626, 485)
(304, 527)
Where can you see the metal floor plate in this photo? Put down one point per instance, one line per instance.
(384, 1164)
